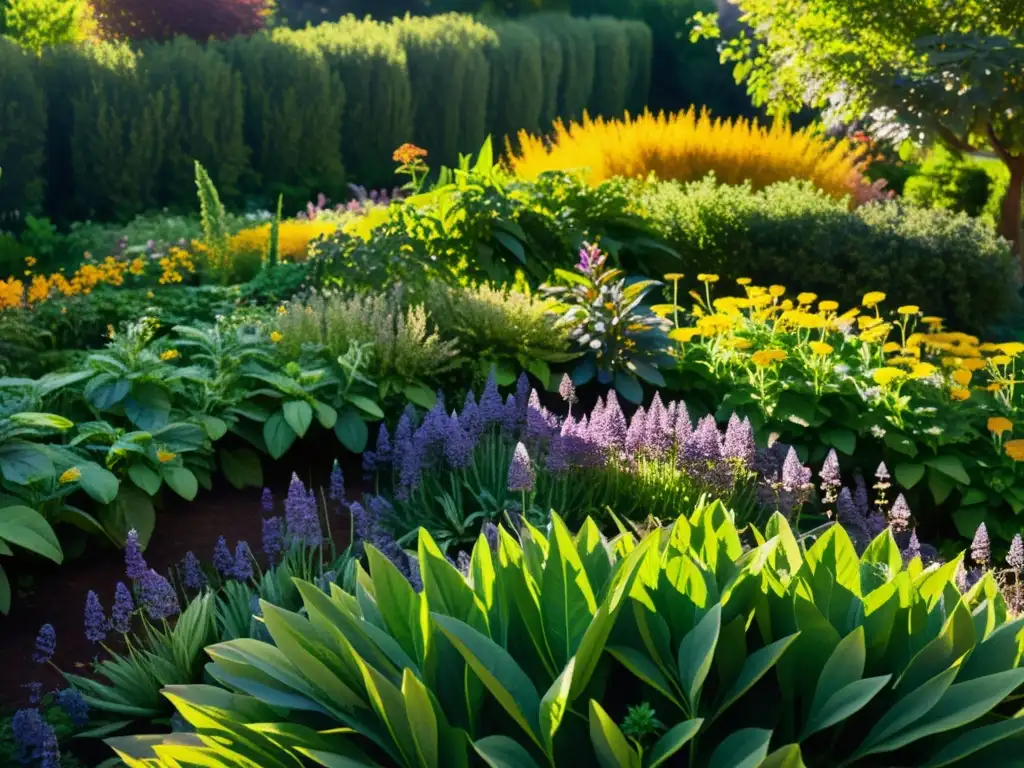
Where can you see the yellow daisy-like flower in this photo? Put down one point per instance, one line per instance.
(165, 456)
(706, 277)
(886, 376)
(70, 476)
(1015, 449)
(787, 305)
(282, 310)
(744, 281)
(776, 290)
(909, 309)
(673, 276)
(276, 336)
(961, 377)
(890, 347)
(959, 394)
(973, 364)
(739, 344)
(1012, 348)
(922, 370)
(1001, 360)
(806, 297)
(169, 354)
(872, 298)
(828, 305)
(765, 357)
(821, 348)
(933, 321)
(683, 334)
(30, 261)
(997, 425)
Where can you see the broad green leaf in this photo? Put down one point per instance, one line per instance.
(909, 475)
(788, 756)
(367, 406)
(844, 703)
(611, 747)
(498, 671)
(642, 667)
(181, 481)
(5, 592)
(22, 463)
(755, 666)
(697, 652)
(975, 740)
(422, 719)
(351, 430)
(907, 711)
(398, 603)
(148, 406)
(278, 435)
(553, 706)
(26, 528)
(674, 739)
(424, 397)
(298, 414)
(745, 748)
(146, 478)
(99, 483)
(389, 704)
(1001, 650)
(844, 666)
(567, 601)
(956, 640)
(326, 415)
(241, 467)
(951, 467)
(503, 752)
(444, 588)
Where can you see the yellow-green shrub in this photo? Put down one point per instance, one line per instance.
(247, 248)
(686, 147)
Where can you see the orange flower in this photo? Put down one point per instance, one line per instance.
(408, 153)
(1015, 449)
(997, 425)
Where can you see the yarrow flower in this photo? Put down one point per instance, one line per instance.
(95, 620)
(46, 644)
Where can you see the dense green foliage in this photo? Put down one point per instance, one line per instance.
(565, 648)
(953, 265)
(22, 141)
(975, 186)
(517, 89)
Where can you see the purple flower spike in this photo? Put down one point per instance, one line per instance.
(29, 731)
(637, 432)
(522, 394)
(46, 644)
(490, 531)
(899, 515)
(683, 426)
(157, 596)
(860, 496)
(657, 429)
(538, 425)
(705, 445)
(273, 539)
(510, 417)
(302, 519)
(135, 563)
(380, 456)
(242, 568)
(491, 407)
(567, 390)
(458, 447)
(520, 472)
(95, 620)
(463, 563)
(913, 547)
(830, 478)
(192, 576)
(739, 441)
(846, 512)
(403, 436)
(470, 417)
(795, 476)
(267, 501)
(337, 485)
(74, 706)
(222, 559)
(124, 607)
(1015, 557)
(50, 750)
(981, 548)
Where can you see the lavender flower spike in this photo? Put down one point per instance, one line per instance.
(899, 515)
(337, 485)
(124, 607)
(51, 750)
(273, 539)
(242, 567)
(981, 548)
(739, 441)
(830, 478)
(74, 706)
(157, 596)
(135, 563)
(222, 559)
(46, 644)
(1015, 557)
(95, 620)
(302, 518)
(28, 729)
(491, 408)
(267, 501)
(192, 576)
(520, 472)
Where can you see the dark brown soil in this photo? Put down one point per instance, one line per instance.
(56, 594)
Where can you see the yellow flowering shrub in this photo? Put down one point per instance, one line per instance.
(687, 146)
(294, 238)
(938, 405)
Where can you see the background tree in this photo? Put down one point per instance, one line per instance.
(917, 68)
(163, 19)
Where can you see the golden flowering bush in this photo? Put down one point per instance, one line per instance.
(294, 238)
(940, 407)
(17, 293)
(687, 146)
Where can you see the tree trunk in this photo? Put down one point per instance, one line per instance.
(1009, 221)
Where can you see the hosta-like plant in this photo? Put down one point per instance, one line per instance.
(691, 647)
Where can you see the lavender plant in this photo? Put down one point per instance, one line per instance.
(497, 459)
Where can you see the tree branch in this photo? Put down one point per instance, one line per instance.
(954, 141)
(997, 145)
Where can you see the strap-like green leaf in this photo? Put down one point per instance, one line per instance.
(975, 740)
(422, 719)
(503, 752)
(567, 601)
(554, 705)
(697, 652)
(674, 739)
(844, 666)
(610, 746)
(754, 668)
(640, 665)
(26, 528)
(844, 703)
(745, 748)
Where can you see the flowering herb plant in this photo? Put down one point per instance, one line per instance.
(622, 341)
(452, 474)
(938, 406)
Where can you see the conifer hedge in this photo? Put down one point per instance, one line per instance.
(105, 131)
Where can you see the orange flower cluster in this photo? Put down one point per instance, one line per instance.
(110, 271)
(176, 262)
(408, 153)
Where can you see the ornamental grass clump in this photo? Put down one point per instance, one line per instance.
(701, 645)
(687, 146)
(940, 407)
(512, 458)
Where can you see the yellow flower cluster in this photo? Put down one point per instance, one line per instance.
(294, 237)
(687, 146)
(175, 264)
(110, 271)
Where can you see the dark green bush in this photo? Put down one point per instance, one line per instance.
(612, 75)
(450, 76)
(945, 180)
(201, 119)
(948, 264)
(552, 59)
(372, 65)
(641, 49)
(293, 115)
(516, 94)
(577, 40)
(22, 131)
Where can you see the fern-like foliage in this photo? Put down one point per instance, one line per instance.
(214, 223)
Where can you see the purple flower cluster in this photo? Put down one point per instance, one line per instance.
(370, 529)
(302, 517)
(46, 644)
(124, 607)
(135, 563)
(336, 492)
(192, 576)
(95, 620)
(30, 731)
(157, 596)
(74, 706)
(273, 539)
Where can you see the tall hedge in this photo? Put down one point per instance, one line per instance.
(201, 118)
(641, 52)
(577, 39)
(552, 58)
(22, 132)
(293, 115)
(517, 82)
(372, 65)
(611, 67)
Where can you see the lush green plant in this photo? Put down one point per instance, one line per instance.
(946, 181)
(516, 93)
(578, 62)
(23, 107)
(213, 219)
(863, 657)
(612, 68)
(621, 341)
(505, 329)
(36, 24)
(954, 266)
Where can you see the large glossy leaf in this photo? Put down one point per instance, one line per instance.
(398, 603)
(503, 752)
(755, 666)
(788, 756)
(22, 463)
(610, 746)
(367, 406)
(99, 483)
(181, 481)
(278, 435)
(148, 406)
(26, 528)
(498, 671)
(241, 466)
(298, 414)
(674, 739)
(697, 652)
(351, 430)
(146, 478)
(745, 748)
(844, 666)
(553, 706)
(422, 719)
(567, 601)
